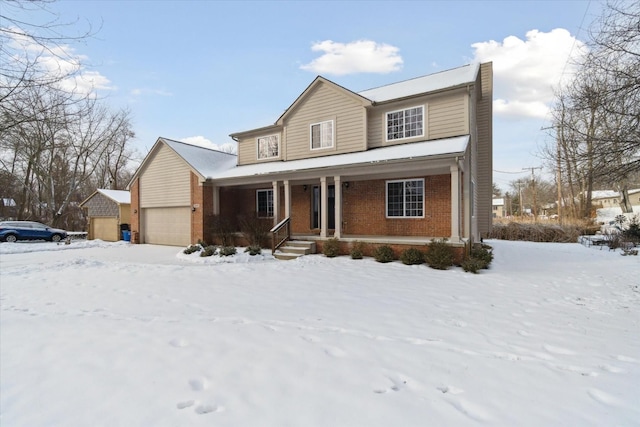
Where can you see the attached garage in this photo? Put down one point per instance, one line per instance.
(166, 226)
(109, 213)
(171, 203)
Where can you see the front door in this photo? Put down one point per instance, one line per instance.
(316, 207)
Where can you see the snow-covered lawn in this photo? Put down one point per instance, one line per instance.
(112, 334)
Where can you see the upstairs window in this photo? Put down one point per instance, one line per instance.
(405, 198)
(405, 123)
(268, 147)
(322, 135)
(264, 203)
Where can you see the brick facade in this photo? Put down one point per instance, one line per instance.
(134, 189)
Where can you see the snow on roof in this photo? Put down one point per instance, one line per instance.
(442, 80)
(8, 202)
(118, 196)
(604, 194)
(448, 146)
(204, 160)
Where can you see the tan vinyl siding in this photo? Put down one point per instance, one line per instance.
(485, 149)
(247, 151)
(325, 103)
(166, 181)
(446, 116)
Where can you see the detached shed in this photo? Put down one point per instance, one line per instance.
(109, 212)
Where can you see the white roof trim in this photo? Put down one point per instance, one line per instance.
(439, 147)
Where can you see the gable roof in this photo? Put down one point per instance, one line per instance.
(460, 76)
(202, 161)
(118, 196)
(315, 83)
(121, 197)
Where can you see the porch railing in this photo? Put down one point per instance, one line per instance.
(280, 233)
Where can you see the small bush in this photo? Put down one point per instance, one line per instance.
(227, 251)
(253, 250)
(439, 255)
(191, 249)
(357, 249)
(412, 256)
(331, 248)
(222, 229)
(383, 253)
(483, 253)
(209, 251)
(472, 265)
(254, 229)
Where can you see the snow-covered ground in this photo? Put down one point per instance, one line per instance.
(112, 334)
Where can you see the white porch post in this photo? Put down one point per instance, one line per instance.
(455, 204)
(324, 211)
(276, 203)
(216, 200)
(287, 199)
(338, 207)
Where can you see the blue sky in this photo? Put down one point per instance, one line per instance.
(200, 70)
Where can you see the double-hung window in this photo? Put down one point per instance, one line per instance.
(264, 203)
(405, 198)
(268, 147)
(407, 123)
(322, 135)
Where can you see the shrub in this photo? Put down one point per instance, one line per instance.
(255, 230)
(479, 258)
(331, 248)
(412, 256)
(357, 249)
(632, 233)
(208, 251)
(439, 254)
(472, 265)
(227, 250)
(253, 250)
(191, 249)
(222, 229)
(537, 232)
(383, 253)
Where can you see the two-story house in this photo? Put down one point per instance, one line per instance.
(400, 164)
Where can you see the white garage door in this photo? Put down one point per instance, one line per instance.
(166, 226)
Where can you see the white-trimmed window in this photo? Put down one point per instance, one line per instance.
(406, 123)
(405, 198)
(264, 203)
(268, 147)
(322, 135)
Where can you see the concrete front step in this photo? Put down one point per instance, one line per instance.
(295, 249)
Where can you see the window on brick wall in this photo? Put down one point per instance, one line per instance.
(405, 198)
(264, 203)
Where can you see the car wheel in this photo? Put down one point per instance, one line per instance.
(56, 238)
(10, 238)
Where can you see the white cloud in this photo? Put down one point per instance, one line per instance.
(201, 141)
(526, 72)
(60, 61)
(362, 56)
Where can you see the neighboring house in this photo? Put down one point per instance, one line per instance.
(498, 208)
(400, 164)
(109, 213)
(611, 199)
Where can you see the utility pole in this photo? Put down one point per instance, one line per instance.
(533, 189)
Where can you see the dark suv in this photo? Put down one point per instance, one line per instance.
(10, 231)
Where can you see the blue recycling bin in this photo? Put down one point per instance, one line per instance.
(126, 235)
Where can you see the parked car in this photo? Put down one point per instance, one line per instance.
(10, 231)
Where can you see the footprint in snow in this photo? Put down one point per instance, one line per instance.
(185, 404)
(557, 350)
(335, 352)
(450, 389)
(198, 384)
(207, 409)
(179, 342)
(604, 398)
